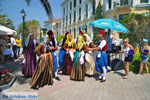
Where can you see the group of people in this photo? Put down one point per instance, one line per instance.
(75, 58)
(9, 46)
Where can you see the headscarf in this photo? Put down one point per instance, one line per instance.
(28, 39)
(80, 43)
(88, 39)
(67, 41)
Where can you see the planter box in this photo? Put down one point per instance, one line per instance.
(6, 86)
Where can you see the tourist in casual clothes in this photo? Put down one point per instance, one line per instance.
(89, 64)
(78, 67)
(18, 42)
(51, 47)
(128, 52)
(144, 57)
(62, 52)
(101, 58)
(13, 43)
(43, 74)
(69, 47)
(29, 56)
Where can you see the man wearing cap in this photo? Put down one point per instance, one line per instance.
(144, 57)
(101, 58)
(51, 47)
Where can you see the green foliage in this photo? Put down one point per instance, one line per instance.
(6, 22)
(59, 38)
(137, 25)
(32, 26)
(135, 65)
(98, 15)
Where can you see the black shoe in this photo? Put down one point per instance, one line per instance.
(99, 78)
(57, 78)
(103, 80)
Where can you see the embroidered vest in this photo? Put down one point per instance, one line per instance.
(105, 47)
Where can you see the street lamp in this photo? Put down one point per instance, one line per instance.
(23, 35)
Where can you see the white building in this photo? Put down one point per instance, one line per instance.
(76, 14)
(54, 25)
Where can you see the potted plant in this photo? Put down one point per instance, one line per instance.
(6, 79)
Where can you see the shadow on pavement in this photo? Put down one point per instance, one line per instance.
(119, 73)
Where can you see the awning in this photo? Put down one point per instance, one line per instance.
(6, 31)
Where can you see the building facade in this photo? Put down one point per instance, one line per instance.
(118, 9)
(54, 25)
(76, 14)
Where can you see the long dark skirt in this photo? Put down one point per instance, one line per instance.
(67, 64)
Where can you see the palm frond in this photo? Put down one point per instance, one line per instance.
(48, 8)
(28, 1)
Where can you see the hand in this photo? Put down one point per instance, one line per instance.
(90, 49)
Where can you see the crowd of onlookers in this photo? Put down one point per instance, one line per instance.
(9, 47)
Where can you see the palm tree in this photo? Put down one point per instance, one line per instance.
(47, 7)
(6, 22)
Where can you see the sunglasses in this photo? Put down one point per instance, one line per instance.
(125, 42)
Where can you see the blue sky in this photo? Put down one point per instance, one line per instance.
(34, 11)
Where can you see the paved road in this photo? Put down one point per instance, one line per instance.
(115, 88)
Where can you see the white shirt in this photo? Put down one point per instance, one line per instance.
(102, 44)
(13, 41)
(126, 51)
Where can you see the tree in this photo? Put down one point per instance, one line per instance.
(98, 15)
(32, 26)
(137, 25)
(46, 5)
(6, 22)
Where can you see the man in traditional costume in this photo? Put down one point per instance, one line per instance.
(51, 47)
(101, 58)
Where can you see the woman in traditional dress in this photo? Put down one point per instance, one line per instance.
(144, 57)
(69, 47)
(78, 68)
(29, 56)
(51, 47)
(62, 52)
(43, 74)
(89, 63)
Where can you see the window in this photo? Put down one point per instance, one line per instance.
(93, 7)
(79, 14)
(64, 10)
(74, 3)
(85, 28)
(144, 1)
(74, 16)
(66, 20)
(80, 1)
(110, 3)
(86, 10)
(79, 28)
(70, 5)
(70, 31)
(70, 18)
(63, 21)
(124, 2)
(67, 8)
(74, 31)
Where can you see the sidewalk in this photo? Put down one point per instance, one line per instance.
(115, 88)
